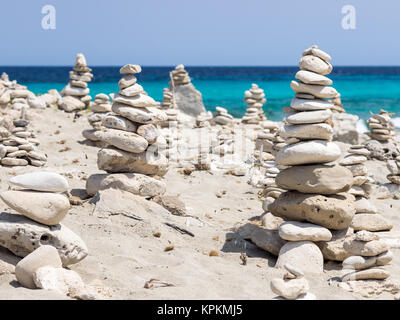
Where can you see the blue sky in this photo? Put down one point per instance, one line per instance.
(194, 32)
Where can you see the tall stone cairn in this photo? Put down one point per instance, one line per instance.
(255, 99)
(134, 141)
(187, 99)
(382, 128)
(76, 93)
(317, 201)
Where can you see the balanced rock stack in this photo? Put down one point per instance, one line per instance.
(369, 255)
(76, 93)
(187, 99)
(21, 147)
(255, 99)
(41, 207)
(100, 108)
(203, 119)
(222, 117)
(293, 286)
(382, 128)
(131, 133)
(394, 168)
(337, 104)
(172, 118)
(317, 200)
(168, 99)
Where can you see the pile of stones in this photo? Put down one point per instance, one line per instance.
(203, 119)
(394, 169)
(76, 93)
(255, 99)
(186, 98)
(168, 99)
(131, 132)
(317, 199)
(293, 286)
(100, 109)
(382, 128)
(337, 104)
(36, 234)
(20, 147)
(222, 117)
(369, 255)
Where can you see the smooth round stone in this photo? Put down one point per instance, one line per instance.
(304, 96)
(360, 180)
(370, 222)
(132, 91)
(318, 179)
(75, 91)
(299, 231)
(37, 163)
(130, 69)
(43, 207)
(269, 221)
(317, 91)
(319, 131)
(223, 120)
(120, 123)
(43, 256)
(358, 170)
(333, 212)
(289, 289)
(304, 255)
(309, 117)
(310, 104)
(14, 162)
(352, 159)
(309, 152)
(17, 154)
(124, 140)
(102, 96)
(362, 248)
(358, 262)
(140, 115)
(315, 64)
(313, 50)
(103, 107)
(37, 155)
(127, 81)
(362, 151)
(138, 101)
(368, 274)
(41, 181)
(309, 77)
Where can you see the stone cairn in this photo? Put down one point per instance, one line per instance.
(316, 200)
(35, 232)
(382, 128)
(186, 98)
(255, 99)
(76, 93)
(20, 146)
(293, 286)
(168, 99)
(203, 119)
(100, 108)
(135, 143)
(222, 117)
(367, 217)
(368, 256)
(337, 104)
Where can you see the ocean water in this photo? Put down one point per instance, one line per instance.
(363, 89)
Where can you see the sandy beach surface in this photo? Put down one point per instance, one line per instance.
(124, 253)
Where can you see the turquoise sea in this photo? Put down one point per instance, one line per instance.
(363, 89)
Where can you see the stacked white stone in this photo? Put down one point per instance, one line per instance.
(222, 117)
(172, 119)
(20, 148)
(180, 76)
(316, 200)
(369, 255)
(41, 205)
(131, 131)
(76, 93)
(255, 99)
(366, 217)
(223, 144)
(394, 169)
(168, 99)
(293, 286)
(381, 125)
(19, 96)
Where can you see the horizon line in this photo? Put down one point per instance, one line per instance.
(198, 66)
